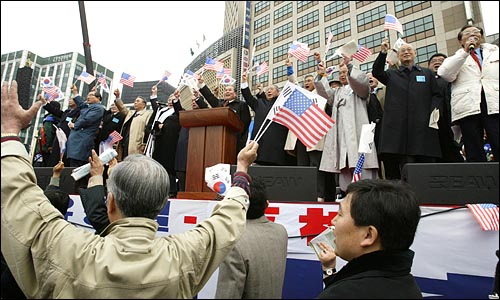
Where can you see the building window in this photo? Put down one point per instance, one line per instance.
(419, 29)
(308, 21)
(264, 79)
(276, 3)
(360, 4)
(283, 13)
(261, 24)
(261, 7)
(404, 8)
(372, 41)
(306, 67)
(280, 53)
(424, 53)
(312, 40)
(303, 5)
(279, 74)
(258, 59)
(336, 9)
(371, 18)
(366, 67)
(261, 41)
(283, 32)
(339, 30)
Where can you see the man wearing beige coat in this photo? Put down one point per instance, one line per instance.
(133, 127)
(340, 153)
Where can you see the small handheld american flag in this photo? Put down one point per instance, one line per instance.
(359, 168)
(113, 138)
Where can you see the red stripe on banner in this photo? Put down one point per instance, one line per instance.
(272, 211)
(190, 219)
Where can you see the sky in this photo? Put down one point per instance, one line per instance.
(141, 38)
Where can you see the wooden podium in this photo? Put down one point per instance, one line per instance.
(212, 140)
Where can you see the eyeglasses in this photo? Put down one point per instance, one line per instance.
(467, 33)
(435, 60)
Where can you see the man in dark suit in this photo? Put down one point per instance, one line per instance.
(111, 121)
(230, 99)
(412, 99)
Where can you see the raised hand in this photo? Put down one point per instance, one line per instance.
(247, 156)
(384, 47)
(57, 169)
(317, 57)
(117, 93)
(96, 166)
(14, 117)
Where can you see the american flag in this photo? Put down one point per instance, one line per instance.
(103, 82)
(299, 50)
(262, 68)
(127, 79)
(212, 64)
(52, 91)
(486, 215)
(359, 168)
(224, 71)
(86, 77)
(166, 75)
(391, 22)
(304, 118)
(113, 138)
(362, 54)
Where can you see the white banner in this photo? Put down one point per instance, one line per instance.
(454, 258)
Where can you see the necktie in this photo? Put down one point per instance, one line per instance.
(474, 56)
(226, 102)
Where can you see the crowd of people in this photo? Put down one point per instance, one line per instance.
(422, 115)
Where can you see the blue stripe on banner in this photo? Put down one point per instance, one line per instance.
(303, 279)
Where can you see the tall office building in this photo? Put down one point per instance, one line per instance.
(63, 69)
(272, 26)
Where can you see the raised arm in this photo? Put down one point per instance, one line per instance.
(93, 196)
(207, 94)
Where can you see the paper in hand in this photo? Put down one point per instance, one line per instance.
(326, 237)
(218, 178)
(366, 143)
(434, 118)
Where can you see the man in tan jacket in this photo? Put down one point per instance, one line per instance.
(51, 258)
(133, 127)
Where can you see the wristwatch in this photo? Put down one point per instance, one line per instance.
(329, 272)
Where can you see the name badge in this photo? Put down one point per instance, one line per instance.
(68, 119)
(115, 120)
(420, 78)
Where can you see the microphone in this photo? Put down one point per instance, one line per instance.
(472, 46)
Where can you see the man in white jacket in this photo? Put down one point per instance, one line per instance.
(473, 72)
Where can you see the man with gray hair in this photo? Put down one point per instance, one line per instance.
(50, 258)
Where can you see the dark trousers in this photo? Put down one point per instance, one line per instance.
(473, 128)
(394, 163)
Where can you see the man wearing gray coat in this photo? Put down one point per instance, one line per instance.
(340, 153)
(255, 268)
